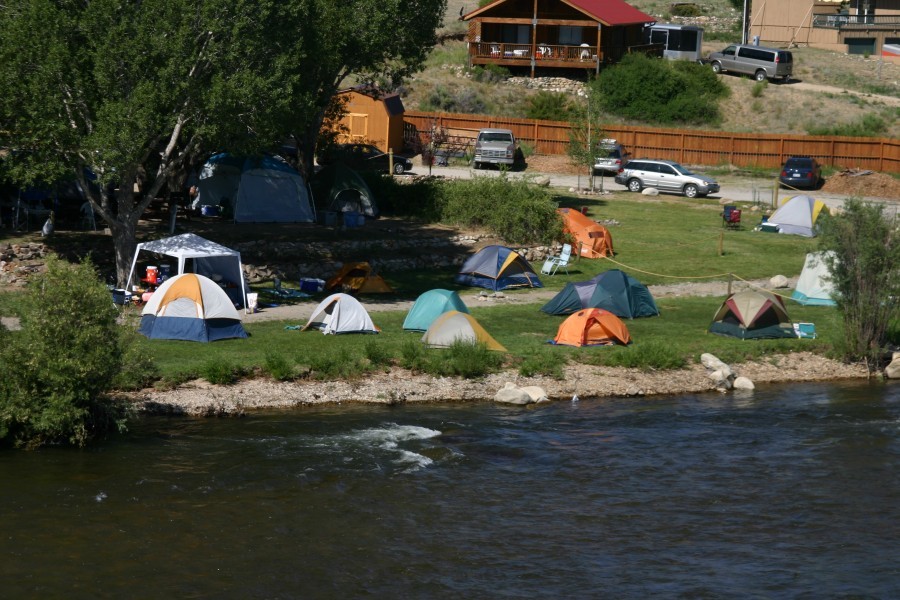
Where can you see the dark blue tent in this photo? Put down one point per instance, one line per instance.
(497, 268)
(613, 290)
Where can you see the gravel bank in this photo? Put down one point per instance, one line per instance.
(399, 386)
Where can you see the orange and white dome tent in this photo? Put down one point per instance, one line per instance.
(191, 307)
(592, 327)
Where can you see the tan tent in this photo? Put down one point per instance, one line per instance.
(454, 326)
(592, 239)
(753, 314)
(357, 278)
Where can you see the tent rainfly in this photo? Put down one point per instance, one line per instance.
(193, 308)
(497, 268)
(340, 313)
(358, 278)
(258, 189)
(814, 287)
(592, 239)
(592, 327)
(798, 215)
(458, 327)
(343, 190)
(219, 263)
(613, 290)
(429, 306)
(753, 314)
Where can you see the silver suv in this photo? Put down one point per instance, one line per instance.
(612, 156)
(494, 146)
(666, 176)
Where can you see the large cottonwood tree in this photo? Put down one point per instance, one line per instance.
(139, 91)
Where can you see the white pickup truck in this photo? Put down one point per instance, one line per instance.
(494, 146)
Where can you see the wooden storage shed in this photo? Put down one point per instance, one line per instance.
(373, 117)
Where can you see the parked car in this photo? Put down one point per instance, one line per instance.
(666, 176)
(494, 146)
(364, 157)
(801, 171)
(760, 62)
(612, 156)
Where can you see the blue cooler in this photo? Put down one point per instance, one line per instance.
(351, 219)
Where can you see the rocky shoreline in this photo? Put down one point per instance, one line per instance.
(200, 398)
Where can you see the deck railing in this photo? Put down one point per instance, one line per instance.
(837, 21)
(554, 52)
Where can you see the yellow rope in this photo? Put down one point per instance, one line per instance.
(759, 287)
(738, 277)
(669, 276)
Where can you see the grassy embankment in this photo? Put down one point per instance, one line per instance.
(659, 241)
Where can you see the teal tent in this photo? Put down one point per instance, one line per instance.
(613, 291)
(429, 306)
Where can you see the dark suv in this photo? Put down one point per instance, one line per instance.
(363, 157)
(801, 171)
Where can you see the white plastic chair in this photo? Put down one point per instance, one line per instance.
(552, 264)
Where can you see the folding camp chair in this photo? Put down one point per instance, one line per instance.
(726, 213)
(552, 264)
(734, 219)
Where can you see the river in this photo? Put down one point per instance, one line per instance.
(785, 492)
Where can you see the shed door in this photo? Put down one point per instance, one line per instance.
(359, 127)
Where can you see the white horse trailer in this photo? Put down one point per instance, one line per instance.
(680, 42)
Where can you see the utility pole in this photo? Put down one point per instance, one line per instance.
(744, 19)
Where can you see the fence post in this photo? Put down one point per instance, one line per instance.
(721, 249)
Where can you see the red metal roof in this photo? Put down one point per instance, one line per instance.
(608, 12)
(611, 12)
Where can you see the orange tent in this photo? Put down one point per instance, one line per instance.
(592, 327)
(592, 239)
(357, 278)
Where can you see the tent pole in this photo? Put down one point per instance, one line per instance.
(133, 263)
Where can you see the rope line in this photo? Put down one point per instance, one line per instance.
(738, 277)
(759, 287)
(669, 276)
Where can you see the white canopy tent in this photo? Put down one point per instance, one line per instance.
(217, 262)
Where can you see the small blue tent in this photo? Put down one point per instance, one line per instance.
(497, 268)
(262, 189)
(613, 291)
(429, 306)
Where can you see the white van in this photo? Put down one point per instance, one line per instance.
(760, 62)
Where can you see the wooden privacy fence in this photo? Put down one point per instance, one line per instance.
(687, 146)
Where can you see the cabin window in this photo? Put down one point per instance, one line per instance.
(516, 34)
(570, 36)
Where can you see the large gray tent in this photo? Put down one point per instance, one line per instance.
(256, 189)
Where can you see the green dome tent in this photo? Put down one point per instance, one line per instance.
(339, 188)
(613, 291)
(429, 306)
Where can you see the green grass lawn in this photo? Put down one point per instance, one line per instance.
(522, 329)
(659, 241)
